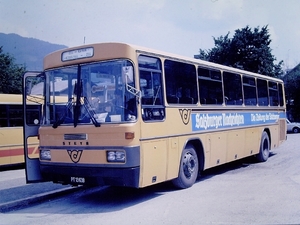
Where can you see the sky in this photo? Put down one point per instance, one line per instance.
(175, 26)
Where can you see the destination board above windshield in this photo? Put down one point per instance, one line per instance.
(77, 54)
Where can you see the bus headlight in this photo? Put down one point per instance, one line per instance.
(45, 154)
(115, 156)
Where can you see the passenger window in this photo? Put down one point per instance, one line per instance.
(273, 93)
(280, 94)
(249, 91)
(232, 89)
(181, 83)
(210, 86)
(151, 88)
(11, 116)
(262, 92)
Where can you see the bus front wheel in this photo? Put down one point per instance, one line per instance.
(188, 170)
(264, 150)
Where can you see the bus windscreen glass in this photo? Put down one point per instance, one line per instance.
(90, 93)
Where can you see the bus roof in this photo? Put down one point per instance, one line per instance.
(113, 50)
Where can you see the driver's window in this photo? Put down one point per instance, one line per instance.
(151, 88)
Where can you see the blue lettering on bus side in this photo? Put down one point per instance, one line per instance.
(210, 121)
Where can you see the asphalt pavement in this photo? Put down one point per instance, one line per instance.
(15, 193)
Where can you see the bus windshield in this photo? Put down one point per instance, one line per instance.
(90, 93)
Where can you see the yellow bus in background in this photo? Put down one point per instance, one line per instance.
(11, 131)
(119, 114)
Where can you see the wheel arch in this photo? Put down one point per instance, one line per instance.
(267, 130)
(265, 146)
(198, 146)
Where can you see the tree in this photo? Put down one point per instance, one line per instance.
(10, 74)
(248, 50)
(292, 93)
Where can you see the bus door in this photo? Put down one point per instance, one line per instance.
(33, 90)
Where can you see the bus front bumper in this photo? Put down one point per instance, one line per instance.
(92, 176)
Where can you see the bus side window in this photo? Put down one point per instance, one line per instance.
(11, 115)
(210, 86)
(262, 92)
(273, 93)
(3, 116)
(233, 88)
(181, 83)
(249, 86)
(151, 88)
(15, 116)
(281, 97)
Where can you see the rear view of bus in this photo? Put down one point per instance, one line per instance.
(88, 125)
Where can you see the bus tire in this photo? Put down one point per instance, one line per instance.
(264, 150)
(188, 169)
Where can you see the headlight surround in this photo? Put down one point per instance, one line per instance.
(45, 154)
(118, 156)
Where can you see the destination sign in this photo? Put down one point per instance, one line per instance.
(77, 54)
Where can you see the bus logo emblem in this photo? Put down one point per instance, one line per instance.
(75, 155)
(185, 115)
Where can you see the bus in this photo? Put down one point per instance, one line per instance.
(123, 115)
(11, 132)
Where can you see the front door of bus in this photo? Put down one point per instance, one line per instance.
(33, 100)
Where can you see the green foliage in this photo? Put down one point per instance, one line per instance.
(10, 75)
(292, 93)
(248, 50)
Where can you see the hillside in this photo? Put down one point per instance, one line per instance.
(27, 51)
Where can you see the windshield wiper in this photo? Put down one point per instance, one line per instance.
(87, 105)
(83, 101)
(78, 94)
(61, 119)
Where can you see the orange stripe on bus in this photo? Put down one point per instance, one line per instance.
(16, 151)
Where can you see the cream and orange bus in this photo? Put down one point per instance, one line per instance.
(11, 131)
(119, 114)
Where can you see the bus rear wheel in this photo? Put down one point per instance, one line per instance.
(264, 150)
(188, 170)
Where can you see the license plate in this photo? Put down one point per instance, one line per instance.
(79, 180)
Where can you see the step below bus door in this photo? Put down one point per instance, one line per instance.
(33, 100)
